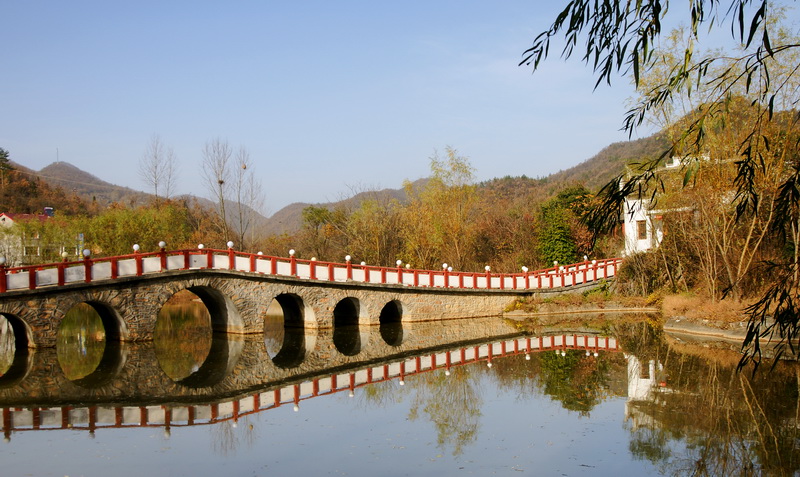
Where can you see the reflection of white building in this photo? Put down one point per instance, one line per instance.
(644, 384)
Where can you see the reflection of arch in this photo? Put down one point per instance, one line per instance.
(23, 337)
(222, 358)
(224, 316)
(22, 362)
(115, 355)
(346, 337)
(292, 334)
(391, 326)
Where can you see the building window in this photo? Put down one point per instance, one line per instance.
(641, 229)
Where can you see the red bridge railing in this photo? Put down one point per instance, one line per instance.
(89, 270)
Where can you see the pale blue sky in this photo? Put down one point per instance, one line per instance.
(326, 96)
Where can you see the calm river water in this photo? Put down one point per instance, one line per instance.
(610, 397)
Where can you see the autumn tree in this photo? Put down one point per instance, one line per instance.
(438, 222)
(158, 169)
(248, 199)
(620, 37)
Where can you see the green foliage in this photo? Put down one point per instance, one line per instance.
(116, 230)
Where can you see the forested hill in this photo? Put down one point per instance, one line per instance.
(87, 186)
(595, 172)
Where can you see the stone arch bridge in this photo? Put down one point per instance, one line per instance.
(238, 289)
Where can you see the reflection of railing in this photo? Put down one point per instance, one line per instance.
(97, 417)
(32, 277)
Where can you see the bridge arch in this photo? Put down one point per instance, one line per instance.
(225, 318)
(21, 362)
(23, 336)
(115, 327)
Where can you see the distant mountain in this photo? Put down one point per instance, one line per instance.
(87, 186)
(592, 173)
(290, 218)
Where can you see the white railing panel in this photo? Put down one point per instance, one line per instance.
(358, 275)
(74, 274)
(17, 280)
(284, 268)
(47, 277)
(219, 262)
(391, 277)
(263, 265)
(101, 271)
(174, 262)
(242, 264)
(151, 264)
(303, 270)
(322, 273)
(339, 274)
(126, 268)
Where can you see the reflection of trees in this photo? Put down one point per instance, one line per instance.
(182, 338)
(729, 422)
(579, 382)
(453, 403)
(227, 436)
(80, 342)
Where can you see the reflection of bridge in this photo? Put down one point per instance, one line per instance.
(321, 384)
(238, 288)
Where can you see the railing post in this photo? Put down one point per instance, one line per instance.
(366, 273)
(474, 281)
(331, 271)
(162, 254)
(312, 269)
(114, 268)
(399, 272)
(349, 266)
(139, 266)
(3, 276)
(32, 278)
(446, 277)
(252, 263)
(383, 274)
(87, 266)
(460, 280)
(292, 266)
(209, 259)
(61, 278)
(187, 260)
(273, 266)
(502, 281)
(488, 277)
(416, 278)
(231, 257)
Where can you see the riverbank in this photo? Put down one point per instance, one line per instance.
(683, 314)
